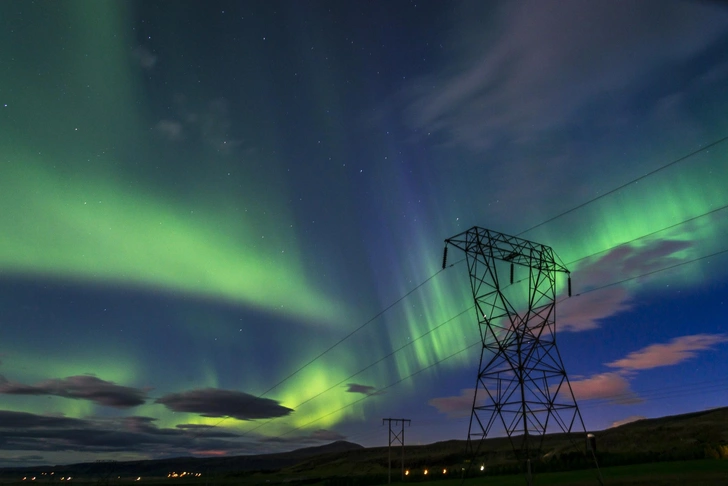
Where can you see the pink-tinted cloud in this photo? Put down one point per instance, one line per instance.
(676, 351)
(320, 435)
(628, 420)
(628, 260)
(326, 435)
(586, 308)
(456, 406)
(583, 312)
(611, 386)
(212, 453)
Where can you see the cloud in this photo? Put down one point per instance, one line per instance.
(213, 402)
(606, 386)
(24, 420)
(676, 351)
(22, 431)
(455, 406)
(326, 435)
(211, 122)
(23, 460)
(614, 386)
(507, 83)
(171, 129)
(215, 126)
(628, 420)
(585, 309)
(583, 313)
(204, 430)
(363, 389)
(145, 57)
(82, 387)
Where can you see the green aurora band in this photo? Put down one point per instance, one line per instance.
(74, 219)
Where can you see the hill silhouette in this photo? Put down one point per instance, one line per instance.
(689, 436)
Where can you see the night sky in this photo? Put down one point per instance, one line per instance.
(223, 222)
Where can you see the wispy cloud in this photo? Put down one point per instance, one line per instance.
(584, 312)
(145, 57)
(615, 386)
(458, 406)
(170, 129)
(214, 402)
(81, 387)
(610, 386)
(505, 83)
(211, 122)
(676, 351)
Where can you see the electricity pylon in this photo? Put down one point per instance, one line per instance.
(395, 436)
(522, 384)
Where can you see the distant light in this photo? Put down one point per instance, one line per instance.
(139, 478)
(406, 473)
(425, 471)
(444, 471)
(482, 468)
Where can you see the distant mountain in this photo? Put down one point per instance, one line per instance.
(162, 467)
(687, 436)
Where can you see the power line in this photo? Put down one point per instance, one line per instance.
(651, 394)
(330, 348)
(479, 342)
(669, 164)
(707, 386)
(375, 317)
(417, 287)
(652, 233)
(654, 272)
(471, 307)
(383, 358)
(380, 313)
(381, 389)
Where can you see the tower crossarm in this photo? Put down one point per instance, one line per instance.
(492, 244)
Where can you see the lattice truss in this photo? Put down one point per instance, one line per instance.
(522, 385)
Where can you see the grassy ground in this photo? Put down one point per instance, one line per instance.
(707, 472)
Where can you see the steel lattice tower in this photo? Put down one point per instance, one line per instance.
(522, 384)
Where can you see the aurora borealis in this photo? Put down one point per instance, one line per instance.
(211, 211)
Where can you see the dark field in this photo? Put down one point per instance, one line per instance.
(707, 472)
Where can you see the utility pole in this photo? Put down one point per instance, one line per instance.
(395, 436)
